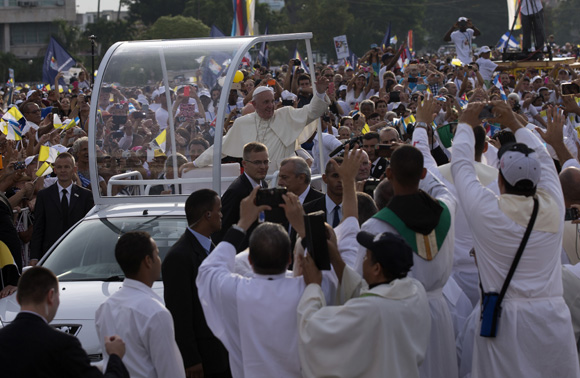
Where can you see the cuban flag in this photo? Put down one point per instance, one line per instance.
(500, 86)
(513, 42)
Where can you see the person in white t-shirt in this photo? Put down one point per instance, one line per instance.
(486, 66)
(462, 33)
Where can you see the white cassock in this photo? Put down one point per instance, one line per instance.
(282, 134)
(464, 268)
(535, 336)
(441, 359)
(254, 317)
(382, 333)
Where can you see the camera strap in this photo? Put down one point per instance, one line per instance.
(516, 258)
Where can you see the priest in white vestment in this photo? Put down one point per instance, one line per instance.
(535, 336)
(281, 130)
(381, 331)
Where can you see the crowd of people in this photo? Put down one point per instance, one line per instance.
(436, 174)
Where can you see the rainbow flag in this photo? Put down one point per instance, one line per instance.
(244, 12)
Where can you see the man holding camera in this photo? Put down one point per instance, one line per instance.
(534, 331)
(462, 33)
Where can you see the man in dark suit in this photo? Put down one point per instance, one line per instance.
(331, 203)
(255, 165)
(30, 347)
(203, 354)
(378, 164)
(388, 135)
(58, 207)
(295, 175)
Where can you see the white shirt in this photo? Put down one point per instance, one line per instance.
(329, 143)
(254, 317)
(462, 41)
(486, 68)
(139, 316)
(68, 191)
(535, 292)
(162, 118)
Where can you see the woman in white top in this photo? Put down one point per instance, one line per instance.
(357, 89)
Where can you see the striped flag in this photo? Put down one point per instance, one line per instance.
(513, 42)
(491, 128)
(498, 84)
(243, 23)
(15, 118)
(44, 170)
(132, 108)
(8, 130)
(303, 64)
(48, 154)
(161, 140)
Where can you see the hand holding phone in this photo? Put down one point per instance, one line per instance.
(186, 91)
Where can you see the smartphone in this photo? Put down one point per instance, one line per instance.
(119, 119)
(22, 165)
(571, 213)
(486, 113)
(395, 96)
(316, 239)
(412, 80)
(570, 88)
(186, 91)
(383, 150)
(270, 196)
(271, 82)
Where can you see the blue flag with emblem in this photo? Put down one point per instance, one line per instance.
(56, 60)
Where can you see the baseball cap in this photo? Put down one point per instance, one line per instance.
(389, 250)
(484, 49)
(518, 167)
(342, 88)
(460, 19)
(349, 69)
(536, 78)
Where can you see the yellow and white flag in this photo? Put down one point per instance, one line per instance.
(45, 169)
(48, 154)
(161, 140)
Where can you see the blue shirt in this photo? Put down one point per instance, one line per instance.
(203, 240)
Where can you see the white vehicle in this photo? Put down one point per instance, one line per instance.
(83, 258)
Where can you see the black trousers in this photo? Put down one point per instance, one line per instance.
(533, 22)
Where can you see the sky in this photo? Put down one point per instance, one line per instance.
(84, 6)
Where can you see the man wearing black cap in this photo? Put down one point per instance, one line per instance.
(384, 330)
(534, 335)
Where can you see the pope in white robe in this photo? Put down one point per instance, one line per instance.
(281, 130)
(535, 336)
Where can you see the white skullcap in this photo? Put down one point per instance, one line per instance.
(261, 89)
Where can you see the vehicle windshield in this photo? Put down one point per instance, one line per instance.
(87, 253)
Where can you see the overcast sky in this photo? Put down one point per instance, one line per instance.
(84, 6)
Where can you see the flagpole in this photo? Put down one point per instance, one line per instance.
(92, 38)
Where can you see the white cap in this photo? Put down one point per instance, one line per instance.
(536, 78)
(484, 49)
(204, 92)
(261, 89)
(516, 164)
(462, 19)
(342, 88)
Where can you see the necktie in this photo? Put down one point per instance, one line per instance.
(64, 210)
(336, 219)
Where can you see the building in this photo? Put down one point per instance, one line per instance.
(26, 25)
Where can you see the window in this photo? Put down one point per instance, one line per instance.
(31, 33)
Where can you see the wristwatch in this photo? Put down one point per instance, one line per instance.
(422, 125)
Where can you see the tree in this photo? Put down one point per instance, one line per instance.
(177, 27)
(149, 11)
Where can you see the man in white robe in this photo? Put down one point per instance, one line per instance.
(535, 336)
(281, 130)
(383, 332)
(414, 202)
(255, 316)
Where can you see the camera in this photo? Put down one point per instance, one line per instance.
(516, 108)
(296, 62)
(370, 185)
(19, 165)
(572, 214)
(270, 196)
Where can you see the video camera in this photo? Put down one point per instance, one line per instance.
(350, 142)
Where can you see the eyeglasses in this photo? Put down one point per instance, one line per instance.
(259, 162)
(329, 75)
(34, 111)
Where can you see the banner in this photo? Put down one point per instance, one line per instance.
(341, 47)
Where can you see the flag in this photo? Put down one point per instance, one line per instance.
(161, 140)
(410, 40)
(263, 54)
(491, 128)
(353, 60)
(44, 170)
(387, 37)
(302, 63)
(243, 23)
(56, 122)
(409, 119)
(216, 32)
(8, 267)
(394, 40)
(48, 154)
(132, 108)
(512, 6)
(9, 131)
(56, 60)
(404, 58)
(15, 118)
(70, 124)
(497, 83)
(513, 42)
